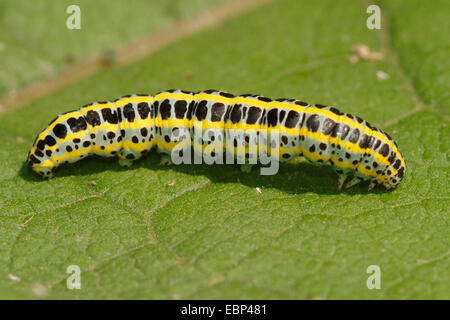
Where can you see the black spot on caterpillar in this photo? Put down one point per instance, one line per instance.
(132, 125)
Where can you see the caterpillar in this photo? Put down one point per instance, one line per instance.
(132, 125)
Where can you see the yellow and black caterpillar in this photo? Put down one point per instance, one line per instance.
(132, 125)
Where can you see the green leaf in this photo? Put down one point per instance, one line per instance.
(36, 44)
(204, 232)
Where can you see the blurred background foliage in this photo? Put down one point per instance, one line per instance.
(35, 43)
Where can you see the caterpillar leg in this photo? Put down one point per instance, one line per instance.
(341, 180)
(352, 182)
(247, 167)
(127, 157)
(373, 184)
(165, 160)
(343, 174)
(356, 180)
(44, 172)
(123, 162)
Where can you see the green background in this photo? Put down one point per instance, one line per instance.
(189, 232)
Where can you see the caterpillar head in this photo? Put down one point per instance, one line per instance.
(39, 158)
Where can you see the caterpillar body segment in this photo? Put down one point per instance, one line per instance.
(131, 126)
